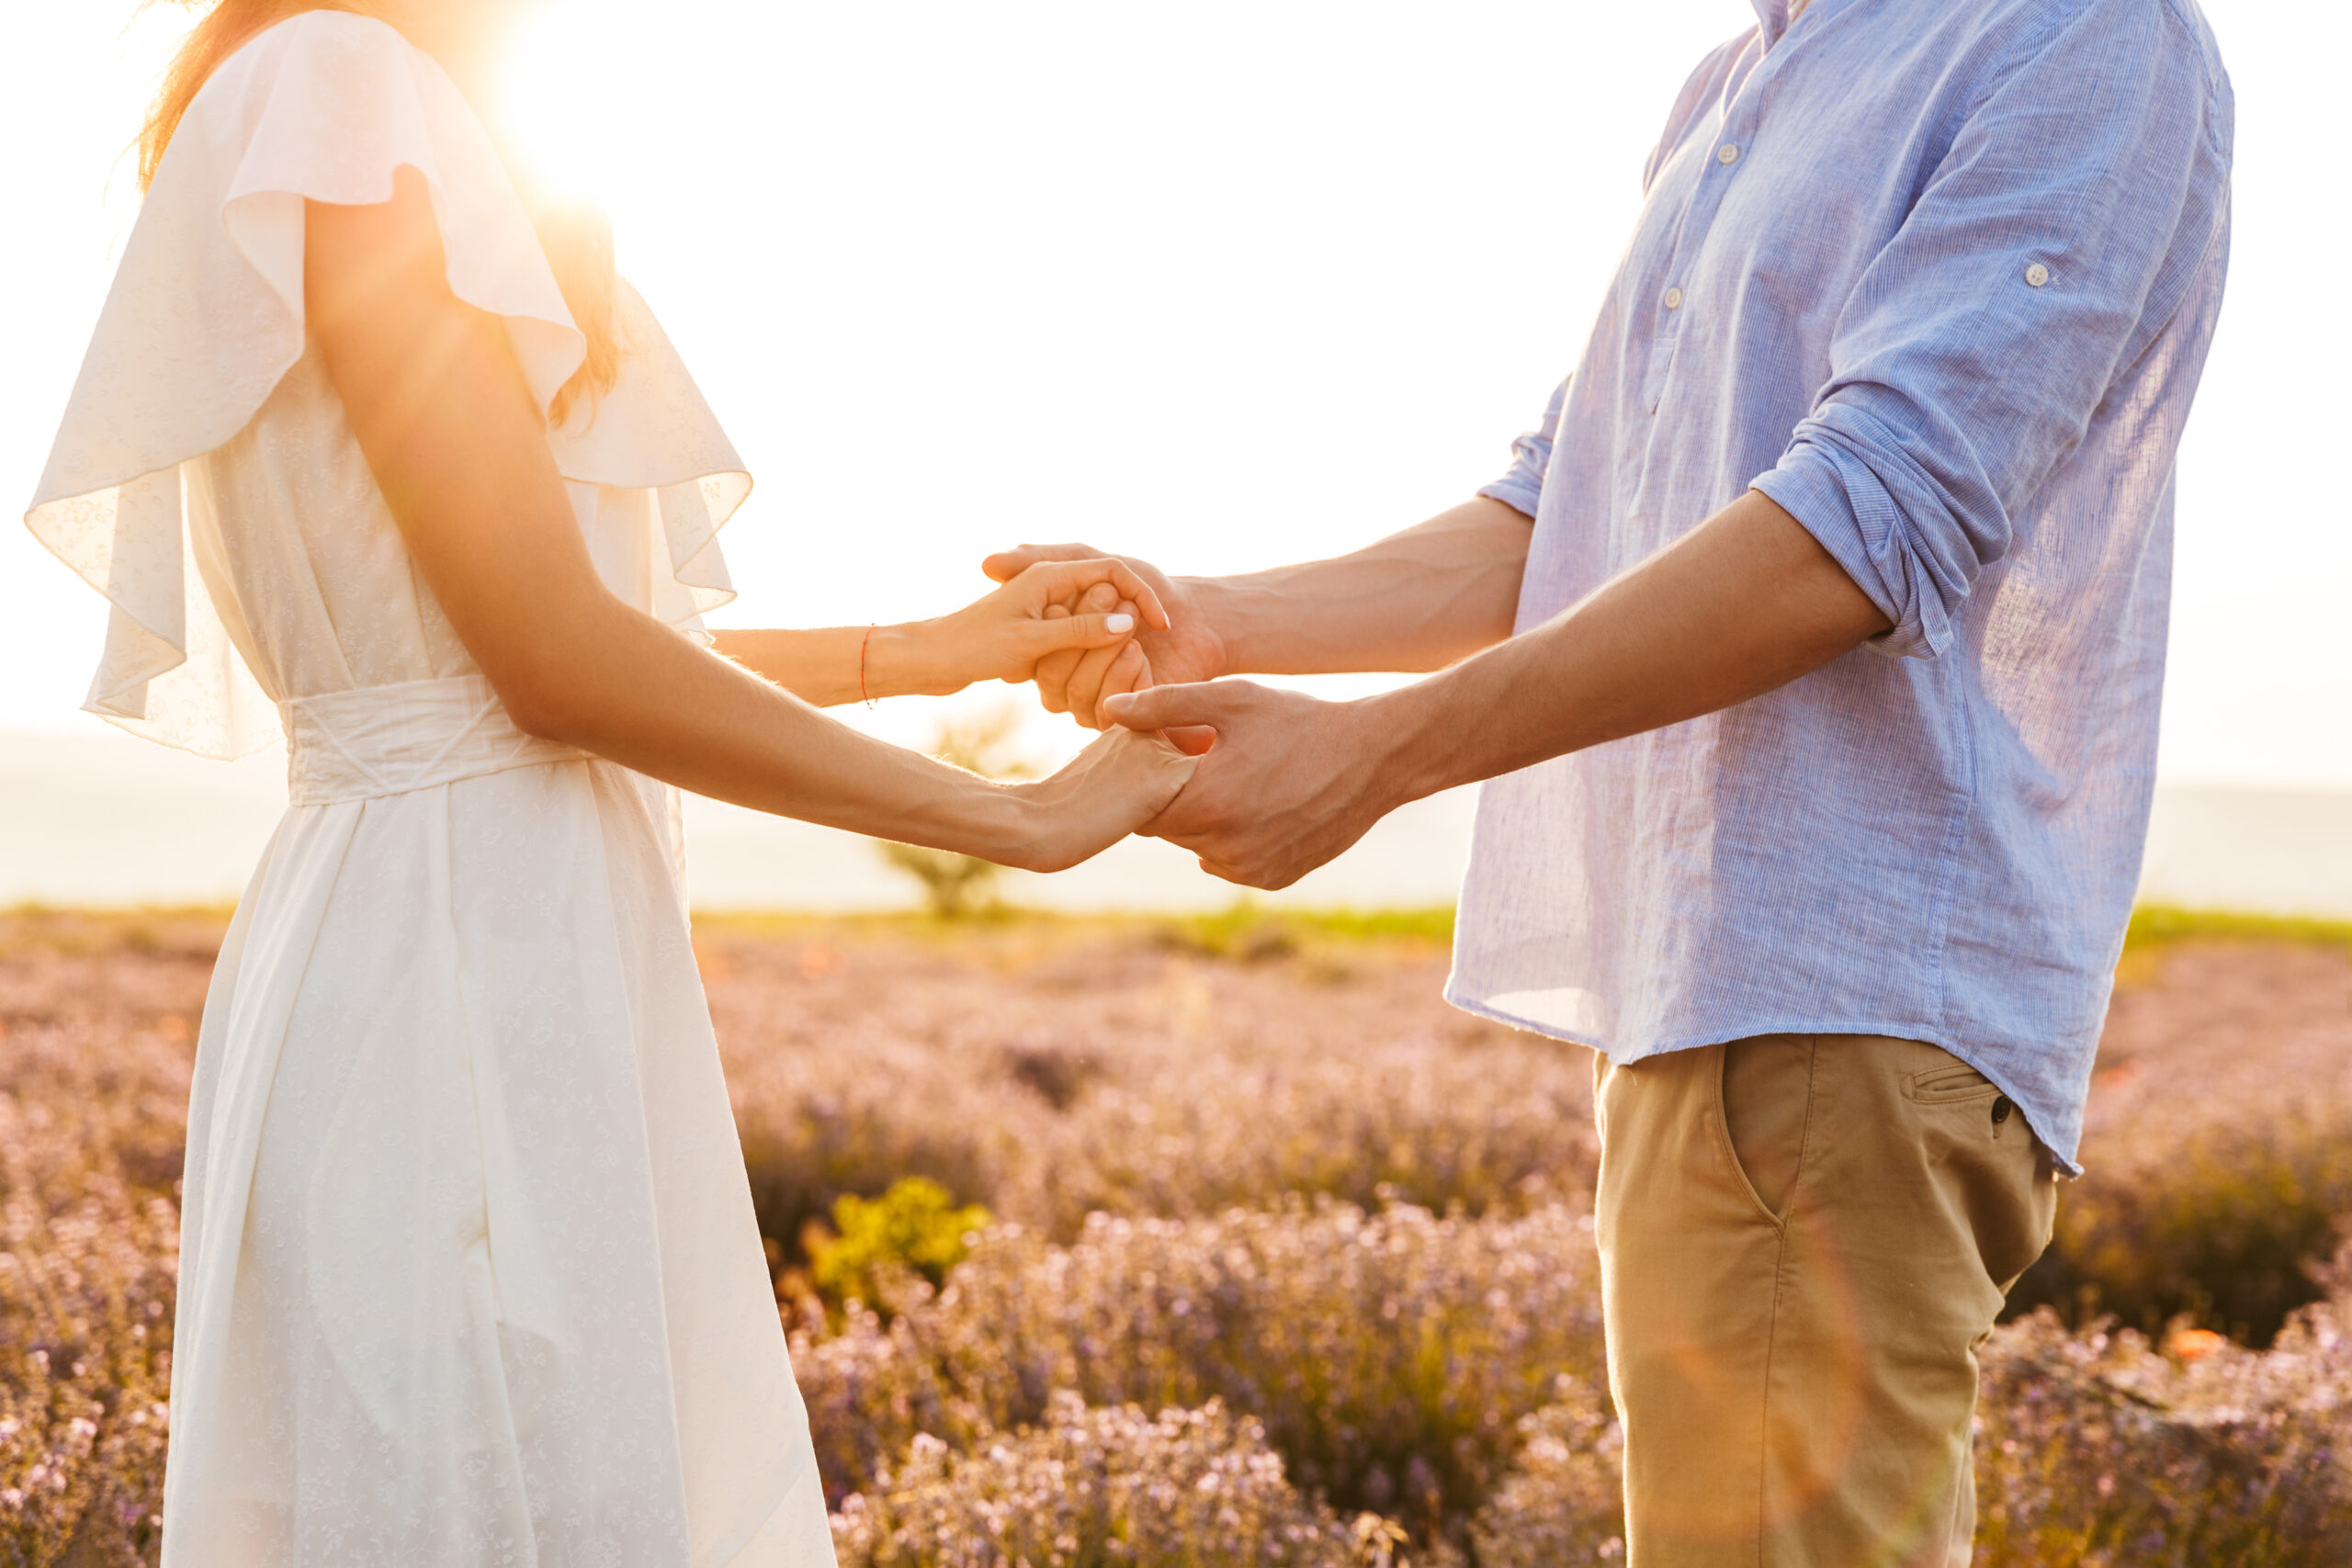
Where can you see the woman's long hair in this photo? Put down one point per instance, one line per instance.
(576, 237)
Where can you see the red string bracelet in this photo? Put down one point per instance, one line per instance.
(861, 644)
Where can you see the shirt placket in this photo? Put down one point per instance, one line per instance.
(1725, 157)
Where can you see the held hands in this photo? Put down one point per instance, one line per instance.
(1179, 646)
(1073, 607)
(1290, 781)
(1284, 781)
(1070, 608)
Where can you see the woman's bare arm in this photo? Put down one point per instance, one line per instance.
(1000, 637)
(460, 452)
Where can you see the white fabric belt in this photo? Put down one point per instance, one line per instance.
(381, 740)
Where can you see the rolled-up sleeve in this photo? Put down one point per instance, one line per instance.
(1531, 459)
(2050, 247)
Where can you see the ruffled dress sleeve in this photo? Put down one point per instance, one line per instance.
(206, 316)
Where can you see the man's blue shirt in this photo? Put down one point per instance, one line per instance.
(1939, 279)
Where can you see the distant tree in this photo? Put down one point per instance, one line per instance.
(981, 740)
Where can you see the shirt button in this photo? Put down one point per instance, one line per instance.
(1673, 298)
(2036, 276)
(1727, 154)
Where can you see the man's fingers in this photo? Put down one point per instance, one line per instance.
(1006, 565)
(1131, 672)
(1060, 582)
(1087, 682)
(1167, 707)
(1139, 594)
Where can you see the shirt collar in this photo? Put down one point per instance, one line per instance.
(1772, 15)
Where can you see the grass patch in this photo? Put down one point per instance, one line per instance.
(2154, 925)
(191, 930)
(1230, 931)
(1245, 929)
(1252, 932)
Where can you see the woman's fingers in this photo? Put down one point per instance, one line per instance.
(1037, 638)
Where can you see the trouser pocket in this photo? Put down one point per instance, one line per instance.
(1997, 1173)
(1764, 1102)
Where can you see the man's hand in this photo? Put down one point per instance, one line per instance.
(1291, 783)
(1186, 647)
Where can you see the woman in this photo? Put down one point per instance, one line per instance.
(468, 1273)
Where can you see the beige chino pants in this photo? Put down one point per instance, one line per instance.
(1803, 1241)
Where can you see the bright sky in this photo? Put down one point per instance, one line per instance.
(1222, 283)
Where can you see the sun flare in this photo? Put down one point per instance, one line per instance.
(572, 103)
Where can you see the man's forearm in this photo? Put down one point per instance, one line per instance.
(1415, 600)
(1746, 603)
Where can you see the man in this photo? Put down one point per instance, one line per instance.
(1821, 713)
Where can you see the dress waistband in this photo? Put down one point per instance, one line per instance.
(381, 740)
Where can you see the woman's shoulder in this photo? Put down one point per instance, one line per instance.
(324, 38)
(207, 308)
(321, 66)
(313, 40)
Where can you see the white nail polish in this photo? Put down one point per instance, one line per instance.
(1121, 623)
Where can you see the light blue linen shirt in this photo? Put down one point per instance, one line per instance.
(1939, 279)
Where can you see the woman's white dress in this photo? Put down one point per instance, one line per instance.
(467, 1273)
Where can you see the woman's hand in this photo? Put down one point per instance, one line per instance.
(1002, 635)
(1190, 646)
(1115, 786)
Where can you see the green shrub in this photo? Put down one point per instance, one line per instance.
(831, 1136)
(915, 1227)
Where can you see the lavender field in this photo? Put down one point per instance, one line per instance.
(1219, 1242)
